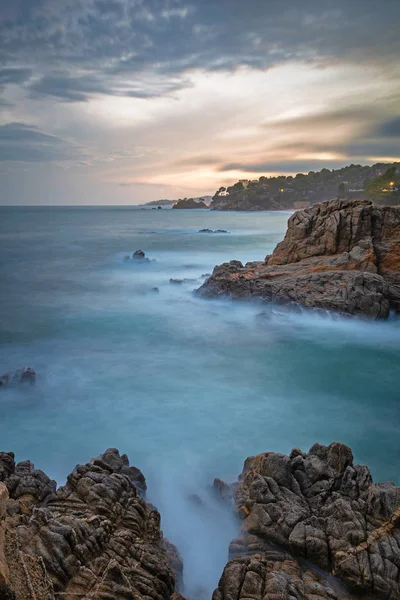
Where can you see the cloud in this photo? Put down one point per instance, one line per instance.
(14, 75)
(389, 128)
(169, 38)
(193, 94)
(20, 142)
(80, 89)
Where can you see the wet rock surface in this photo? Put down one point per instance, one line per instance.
(139, 257)
(95, 537)
(341, 255)
(314, 526)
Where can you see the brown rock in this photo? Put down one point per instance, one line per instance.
(94, 537)
(341, 255)
(314, 525)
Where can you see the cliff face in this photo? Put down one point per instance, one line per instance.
(341, 255)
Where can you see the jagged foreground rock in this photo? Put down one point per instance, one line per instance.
(341, 255)
(314, 527)
(94, 538)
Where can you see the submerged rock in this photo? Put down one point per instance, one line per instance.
(342, 255)
(179, 281)
(95, 537)
(140, 257)
(20, 376)
(314, 526)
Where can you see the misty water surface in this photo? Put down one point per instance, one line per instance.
(187, 388)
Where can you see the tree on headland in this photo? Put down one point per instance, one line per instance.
(287, 192)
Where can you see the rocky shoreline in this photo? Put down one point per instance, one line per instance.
(313, 526)
(342, 255)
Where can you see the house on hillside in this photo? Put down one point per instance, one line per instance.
(223, 193)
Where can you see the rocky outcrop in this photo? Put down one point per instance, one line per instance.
(314, 527)
(139, 257)
(23, 375)
(190, 203)
(341, 255)
(95, 537)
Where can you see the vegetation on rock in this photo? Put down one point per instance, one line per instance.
(379, 183)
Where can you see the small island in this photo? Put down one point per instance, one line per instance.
(190, 203)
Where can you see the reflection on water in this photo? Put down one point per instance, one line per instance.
(187, 388)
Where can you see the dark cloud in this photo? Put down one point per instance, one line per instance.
(96, 40)
(67, 88)
(20, 142)
(14, 75)
(194, 161)
(389, 128)
(79, 89)
(373, 147)
(287, 166)
(365, 113)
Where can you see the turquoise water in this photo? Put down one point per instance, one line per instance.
(188, 388)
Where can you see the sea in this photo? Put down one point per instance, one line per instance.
(187, 387)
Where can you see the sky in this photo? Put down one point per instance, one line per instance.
(126, 101)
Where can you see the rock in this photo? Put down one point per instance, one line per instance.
(342, 256)
(138, 254)
(213, 231)
(155, 290)
(20, 376)
(140, 257)
(195, 500)
(223, 490)
(314, 525)
(189, 203)
(94, 537)
(179, 281)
